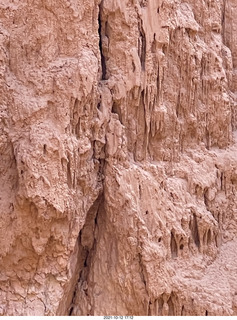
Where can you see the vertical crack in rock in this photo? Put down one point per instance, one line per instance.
(142, 45)
(87, 246)
(173, 246)
(223, 22)
(83, 263)
(101, 32)
(194, 230)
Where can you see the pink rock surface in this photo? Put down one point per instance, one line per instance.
(118, 150)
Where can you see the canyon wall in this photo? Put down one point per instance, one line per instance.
(118, 150)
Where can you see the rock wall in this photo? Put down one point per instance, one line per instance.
(118, 149)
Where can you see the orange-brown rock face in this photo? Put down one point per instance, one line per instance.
(118, 149)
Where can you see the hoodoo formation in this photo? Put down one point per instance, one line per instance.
(118, 157)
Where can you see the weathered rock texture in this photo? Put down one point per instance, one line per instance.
(118, 149)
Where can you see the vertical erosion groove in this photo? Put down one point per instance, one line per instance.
(173, 246)
(223, 21)
(100, 31)
(194, 231)
(87, 246)
(142, 45)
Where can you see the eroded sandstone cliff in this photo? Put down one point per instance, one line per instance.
(118, 148)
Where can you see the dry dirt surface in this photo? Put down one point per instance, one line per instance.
(118, 157)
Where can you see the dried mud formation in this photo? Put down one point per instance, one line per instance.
(118, 150)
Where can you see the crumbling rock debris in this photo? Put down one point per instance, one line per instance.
(118, 149)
